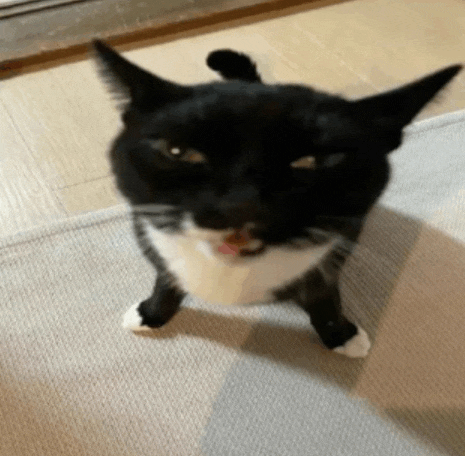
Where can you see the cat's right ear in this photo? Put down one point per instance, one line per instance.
(137, 88)
(397, 108)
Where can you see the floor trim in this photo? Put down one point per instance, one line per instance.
(53, 36)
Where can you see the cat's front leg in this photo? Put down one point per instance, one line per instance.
(318, 294)
(166, 297)
(335, 330)
(158, 309)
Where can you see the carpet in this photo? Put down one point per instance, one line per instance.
(249, 380)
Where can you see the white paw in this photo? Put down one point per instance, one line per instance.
(357, 347)
(132, 320)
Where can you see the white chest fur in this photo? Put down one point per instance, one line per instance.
(223, 279)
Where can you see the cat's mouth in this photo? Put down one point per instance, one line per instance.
(240, 243)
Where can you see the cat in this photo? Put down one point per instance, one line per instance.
(244, 192)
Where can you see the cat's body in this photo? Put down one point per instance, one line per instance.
(244, 192)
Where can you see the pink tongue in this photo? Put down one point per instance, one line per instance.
(234, 242)
(228, 249)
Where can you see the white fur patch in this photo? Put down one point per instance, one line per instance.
(203, 271)
(132, 320)
(357, 347)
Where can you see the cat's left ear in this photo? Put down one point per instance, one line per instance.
(396, 108)
(139, 88)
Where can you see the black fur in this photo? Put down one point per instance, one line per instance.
(232, 65)
(250, 133)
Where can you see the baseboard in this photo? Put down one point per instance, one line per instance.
(48, 32)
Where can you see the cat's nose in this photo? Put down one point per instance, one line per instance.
(242, 199)
(242, 206)
(239, 213)
(233, 210)
(236, 217)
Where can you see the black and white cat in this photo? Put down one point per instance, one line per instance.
(244, 192)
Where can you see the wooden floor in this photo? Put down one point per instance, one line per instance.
(56, 124)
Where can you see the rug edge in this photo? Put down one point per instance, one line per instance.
(74, 222)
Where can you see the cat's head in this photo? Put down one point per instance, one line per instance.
(279, 159)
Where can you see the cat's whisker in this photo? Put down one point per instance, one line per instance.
(154, 208)
(149, 213)
(161, 219)
(146, 213)
(167, 226)
(318, 231)
(345, 246)
(321, 235)
(155, 215)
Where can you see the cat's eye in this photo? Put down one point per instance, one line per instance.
(327, 161)
(307, 162)
(193, 156)
(184, 154)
